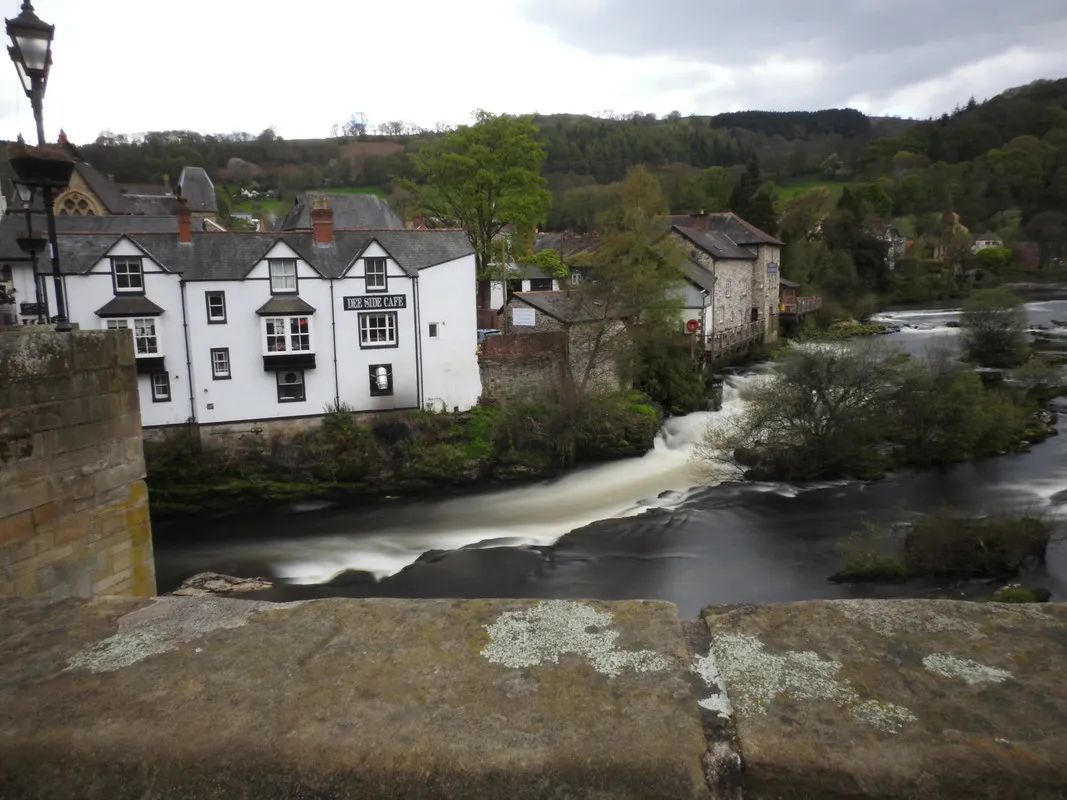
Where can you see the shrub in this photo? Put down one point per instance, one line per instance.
(994, 328)
(951, 546)
(1014, 593)
(866, 561)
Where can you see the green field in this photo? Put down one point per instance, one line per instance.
(791, 189)
(280, 207)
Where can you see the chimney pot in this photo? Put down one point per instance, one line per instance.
(322, 220)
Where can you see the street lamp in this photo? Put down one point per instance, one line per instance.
(31, 52)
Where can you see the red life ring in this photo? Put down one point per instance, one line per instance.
(692, 326)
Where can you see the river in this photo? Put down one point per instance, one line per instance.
(640, 528)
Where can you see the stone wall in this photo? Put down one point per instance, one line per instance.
(521, 367)
(73, 503)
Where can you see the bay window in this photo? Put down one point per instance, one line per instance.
(145, 334)
(286, 335)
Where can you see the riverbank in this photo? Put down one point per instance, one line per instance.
(412, 454)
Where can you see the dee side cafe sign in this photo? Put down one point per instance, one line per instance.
(379, 302)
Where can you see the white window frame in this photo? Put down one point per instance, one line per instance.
(390, 327)
(217, 373)
(131, 324)
(302, 384)
(279, 278)
(157, 397)
(383, 285)
(287, 334)
(215, 295)
(126, 261)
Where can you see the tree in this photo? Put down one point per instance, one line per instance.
(631, 296)
(821, 413)
(752, 202)
(484, 177)
(996, 260)
(994, 328)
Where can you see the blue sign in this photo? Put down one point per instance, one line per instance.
(772, 267)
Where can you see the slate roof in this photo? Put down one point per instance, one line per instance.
(285, 304)
(14, 225)
(129, 306)
(703, 278)
(196, 187)
(717, 244)
(739, 231)
(351, 212)
(107, 192)
(152, 204)
(787, 282)
(563, 306)
(566, 244)
(529, 272)
(231, 255)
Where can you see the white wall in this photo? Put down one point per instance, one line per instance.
(496, 291)
(450, 373)
(354, 360)
(87, 293)
(252, 392)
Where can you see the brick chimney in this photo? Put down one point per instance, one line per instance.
(322, 220)
(185, 221)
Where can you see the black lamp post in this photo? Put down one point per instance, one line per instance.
(32, 245)
(31, 51)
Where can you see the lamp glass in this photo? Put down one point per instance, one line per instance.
(25, 194)
(33, 49)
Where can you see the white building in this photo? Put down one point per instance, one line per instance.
(245, 327)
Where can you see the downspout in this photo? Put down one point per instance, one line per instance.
(188, 357)
(418, 343)
(333, 334)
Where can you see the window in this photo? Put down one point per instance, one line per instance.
(283, 276)
(515, 286)
(381, 380)
(145, 336)
(160, 387)
(145, 339)
(374, 270)
(127, 274)
(290, 386)
(220, 363)
(433, 330)
(216, 307)
(377, 330)
(541, 285)
(287, 335)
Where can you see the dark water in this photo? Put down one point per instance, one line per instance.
(643, 528)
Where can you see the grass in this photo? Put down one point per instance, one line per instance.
(356, 190)
(278, 207)
(791, 189)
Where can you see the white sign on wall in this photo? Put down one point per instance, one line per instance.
(525, 317)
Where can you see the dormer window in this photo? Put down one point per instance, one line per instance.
(127, 275)
(282, 275)
(374, 271)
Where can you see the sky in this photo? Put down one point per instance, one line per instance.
(219, 66)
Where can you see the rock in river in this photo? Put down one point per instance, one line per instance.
(214, 583)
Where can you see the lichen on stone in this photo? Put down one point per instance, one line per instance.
(757, 678)
(901, 616)
(541, 634)
(162, 627)
(966, 669)
(718, 701)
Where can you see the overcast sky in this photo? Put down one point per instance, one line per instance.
(226, 65)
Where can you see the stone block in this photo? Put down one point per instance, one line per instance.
(59, 387)
(16, 528)
(128, 402)
(94, 350)
(51, 575)
(25, 355)
(116, 476)
(124, 352)
(16, 448)
(106, 406)
(20, 494)
(71, 529)
(16, 394)
(108, 585)
(44, 515)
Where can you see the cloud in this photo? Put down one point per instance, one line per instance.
(783, 54)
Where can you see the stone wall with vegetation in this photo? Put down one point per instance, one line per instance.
(516, 367)
(408, 453)
(73, 502)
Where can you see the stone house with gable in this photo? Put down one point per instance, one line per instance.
(732, 277)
